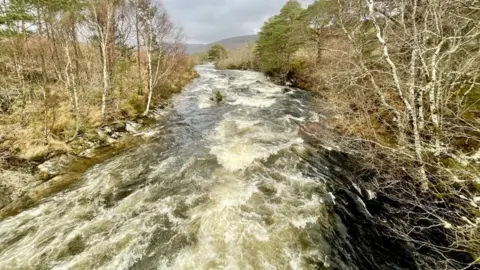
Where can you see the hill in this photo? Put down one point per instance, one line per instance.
(229, 43)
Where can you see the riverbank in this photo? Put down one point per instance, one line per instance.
(32, 168)
(25, 182)
(393, 222)
(435, 220)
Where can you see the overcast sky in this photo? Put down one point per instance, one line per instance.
(205, 21)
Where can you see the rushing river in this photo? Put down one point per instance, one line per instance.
(219, 186)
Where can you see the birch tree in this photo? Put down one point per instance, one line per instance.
(421, 59)
(156, 31)
(102, 18)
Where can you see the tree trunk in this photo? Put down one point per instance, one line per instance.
(105, 78)
(42, 51)
(408, 99)
(137, 30)
(149, 65)
(45, 116)
(72, 88)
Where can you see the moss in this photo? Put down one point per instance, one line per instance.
(477, 187)
(43, 176)
(137, 104)
(218, 97)
(441, 195)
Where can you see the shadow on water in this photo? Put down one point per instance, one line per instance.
(360, 236)
(356, 241)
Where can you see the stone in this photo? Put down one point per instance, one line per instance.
(53, 167)
(14, 184)
(132, 127)
(116, 135)
(88, 153)
(111, 140)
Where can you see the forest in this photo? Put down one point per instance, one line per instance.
(68, 67)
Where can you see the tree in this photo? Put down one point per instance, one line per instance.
(102, 14)
(161, 42)
(317, 19)
(278, 40)
(217, 52)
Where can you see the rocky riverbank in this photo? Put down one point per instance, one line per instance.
(25, 182)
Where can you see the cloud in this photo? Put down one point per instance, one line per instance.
(205, 21)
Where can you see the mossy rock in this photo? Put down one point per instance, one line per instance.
(218, 97)
(43, 176)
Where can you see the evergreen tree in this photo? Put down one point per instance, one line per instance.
(278, 40)
(316, 20)
(217, 52)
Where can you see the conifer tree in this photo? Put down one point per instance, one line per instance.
(277, 40)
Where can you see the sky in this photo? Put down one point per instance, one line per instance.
(205, 21)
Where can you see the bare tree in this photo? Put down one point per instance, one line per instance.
(419, 62)
(156, 31)
(103, 13)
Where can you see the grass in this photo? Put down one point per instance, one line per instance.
(241, 58)
(22, 127)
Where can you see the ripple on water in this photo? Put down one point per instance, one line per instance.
(230, 197)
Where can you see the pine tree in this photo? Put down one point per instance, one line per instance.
(277, 41)
(316, 20)
(217, 52)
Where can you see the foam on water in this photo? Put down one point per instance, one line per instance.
(253, 102)
(222, 189)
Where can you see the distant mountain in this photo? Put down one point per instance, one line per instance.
(194, 48)
(229, 43)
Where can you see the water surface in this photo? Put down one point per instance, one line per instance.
(221, 186)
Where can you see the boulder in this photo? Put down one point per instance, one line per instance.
(131, 127)
(116, 135)
(53, 167)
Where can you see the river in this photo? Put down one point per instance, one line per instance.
(219, 186)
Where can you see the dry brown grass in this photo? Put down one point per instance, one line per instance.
(240, 58)
(22, 127)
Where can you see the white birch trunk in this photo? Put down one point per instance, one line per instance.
(72, 88)
(149, 65)
(408, 101)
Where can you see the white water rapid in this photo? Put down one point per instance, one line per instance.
(221, 186)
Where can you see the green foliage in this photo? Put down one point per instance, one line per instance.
(218, 96)
(319, 14)
(217, 52)
(14, 17)
(277, 41)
